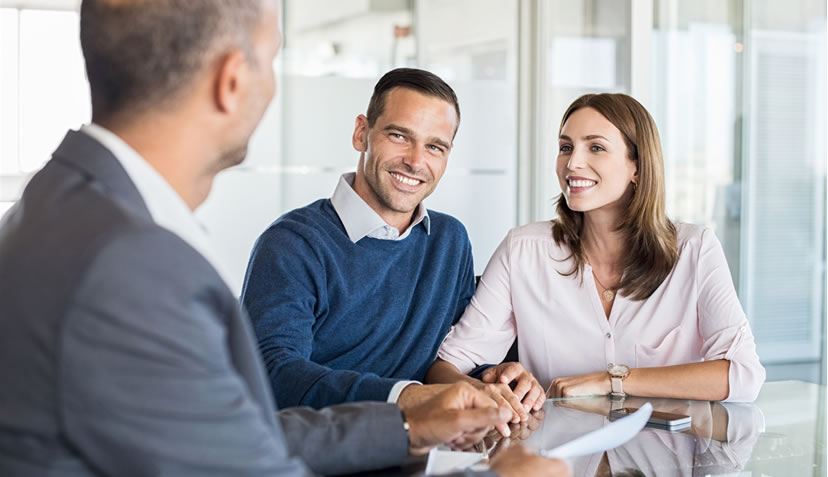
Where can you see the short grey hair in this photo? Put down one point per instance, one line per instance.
(141, 54)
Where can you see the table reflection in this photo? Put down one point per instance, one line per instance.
(720, 440)
(783, 434)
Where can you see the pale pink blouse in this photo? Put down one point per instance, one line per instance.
(562, 330)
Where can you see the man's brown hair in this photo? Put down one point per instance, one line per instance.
(414, 79)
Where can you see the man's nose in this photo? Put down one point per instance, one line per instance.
(415, 158)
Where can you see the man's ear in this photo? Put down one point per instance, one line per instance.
(360, 137)
(231, 81)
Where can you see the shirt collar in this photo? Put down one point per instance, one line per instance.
(360, 220)
(166, 207)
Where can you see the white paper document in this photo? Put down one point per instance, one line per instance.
(608, 437)
(445, 461)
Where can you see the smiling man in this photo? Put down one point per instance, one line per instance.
(351, 296)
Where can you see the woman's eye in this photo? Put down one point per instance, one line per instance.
(565, 148)
(597, 148)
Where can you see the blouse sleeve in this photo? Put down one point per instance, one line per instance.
(487, 328)
(723, 326)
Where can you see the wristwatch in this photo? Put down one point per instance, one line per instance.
(617, 374)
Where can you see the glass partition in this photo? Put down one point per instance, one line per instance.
(43, 90)
(585, 49)
(737, 88)
(740, 100)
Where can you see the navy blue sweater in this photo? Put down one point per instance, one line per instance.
(338, 321)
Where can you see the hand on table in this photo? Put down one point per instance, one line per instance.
(511, 385)
(582, 385)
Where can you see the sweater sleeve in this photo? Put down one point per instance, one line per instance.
(285, 292)
(723, 326)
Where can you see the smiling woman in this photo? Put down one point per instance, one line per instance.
(616, 145)
(611, 297)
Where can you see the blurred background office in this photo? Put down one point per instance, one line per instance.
(737, 87)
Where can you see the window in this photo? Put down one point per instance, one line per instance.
(43, 90)
(737, 88)
(740, 103)
(585, 49)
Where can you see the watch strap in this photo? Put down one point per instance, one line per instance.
(617, 386)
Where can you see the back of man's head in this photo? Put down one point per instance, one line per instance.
(142, 54)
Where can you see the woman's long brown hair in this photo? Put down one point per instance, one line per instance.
(650, 237)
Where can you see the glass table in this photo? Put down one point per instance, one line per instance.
(782, 434)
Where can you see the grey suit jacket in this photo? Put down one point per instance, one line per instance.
(123, 353)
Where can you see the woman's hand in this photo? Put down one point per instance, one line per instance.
(583, 385)
(524, 386)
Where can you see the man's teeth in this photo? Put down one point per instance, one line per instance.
(405, 180)
(581, 183)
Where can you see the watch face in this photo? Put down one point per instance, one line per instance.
(619, 370)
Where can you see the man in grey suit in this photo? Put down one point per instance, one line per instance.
(122, 350)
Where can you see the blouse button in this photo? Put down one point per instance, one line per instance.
(609, 335)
